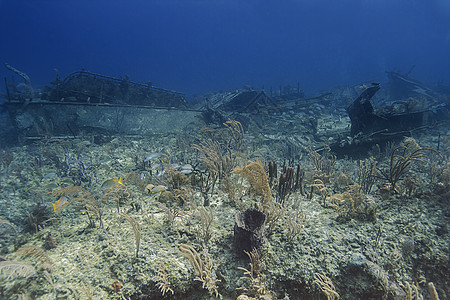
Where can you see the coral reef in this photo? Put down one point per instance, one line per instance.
(328, 227)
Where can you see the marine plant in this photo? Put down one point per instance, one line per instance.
(86, 202)
(86, 289)
(323, 164)
(136, 229)
(326, 286)
(40, 266)
(7, 230)
(15, 269)
(6, 158)
(367, 172)
(163, 282)
(206, 217)
(295, 223)
(255, 275)
(202, 267)
(402, 157)
(38, 255)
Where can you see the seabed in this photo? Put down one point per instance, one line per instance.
(340, 228)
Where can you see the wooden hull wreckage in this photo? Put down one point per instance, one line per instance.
(85, 103)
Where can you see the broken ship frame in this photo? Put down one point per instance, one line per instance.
(86, 103)
(371, 127)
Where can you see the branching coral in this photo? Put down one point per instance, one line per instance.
(353, 204)
(136, 229)
(323, 164)
(202, 267)
(295, 223)
(411, 291)
(326, 286)
(402, 158)
(220, 156)
(16, 269)
(258, 287)
(257, 178)
(323, 190)
(206, 219)
(367, 174)
(163, 282)
(87, 202)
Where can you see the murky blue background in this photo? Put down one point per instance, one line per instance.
(201, 46)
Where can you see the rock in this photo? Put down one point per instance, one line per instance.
(357, 260)
(50, 242)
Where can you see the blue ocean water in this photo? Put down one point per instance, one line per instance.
(200, 46)
(297, 171)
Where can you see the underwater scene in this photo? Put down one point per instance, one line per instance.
(328, 180)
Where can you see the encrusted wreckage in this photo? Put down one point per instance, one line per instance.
(370, 126)
(87, 103)
(255, 108)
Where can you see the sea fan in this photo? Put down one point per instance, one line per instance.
(7, 227)
(259, 183)
(7, 231)
(41, 258)
(15, 269)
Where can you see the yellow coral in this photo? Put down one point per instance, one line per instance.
(257, 178)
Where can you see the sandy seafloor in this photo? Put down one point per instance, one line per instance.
(392, 239)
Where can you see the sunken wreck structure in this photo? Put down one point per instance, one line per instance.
(88, 103)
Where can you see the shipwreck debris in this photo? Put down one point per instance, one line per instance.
(361, 112)
(402, 86)
(370, 126)
(86, 103)
(84, 86)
